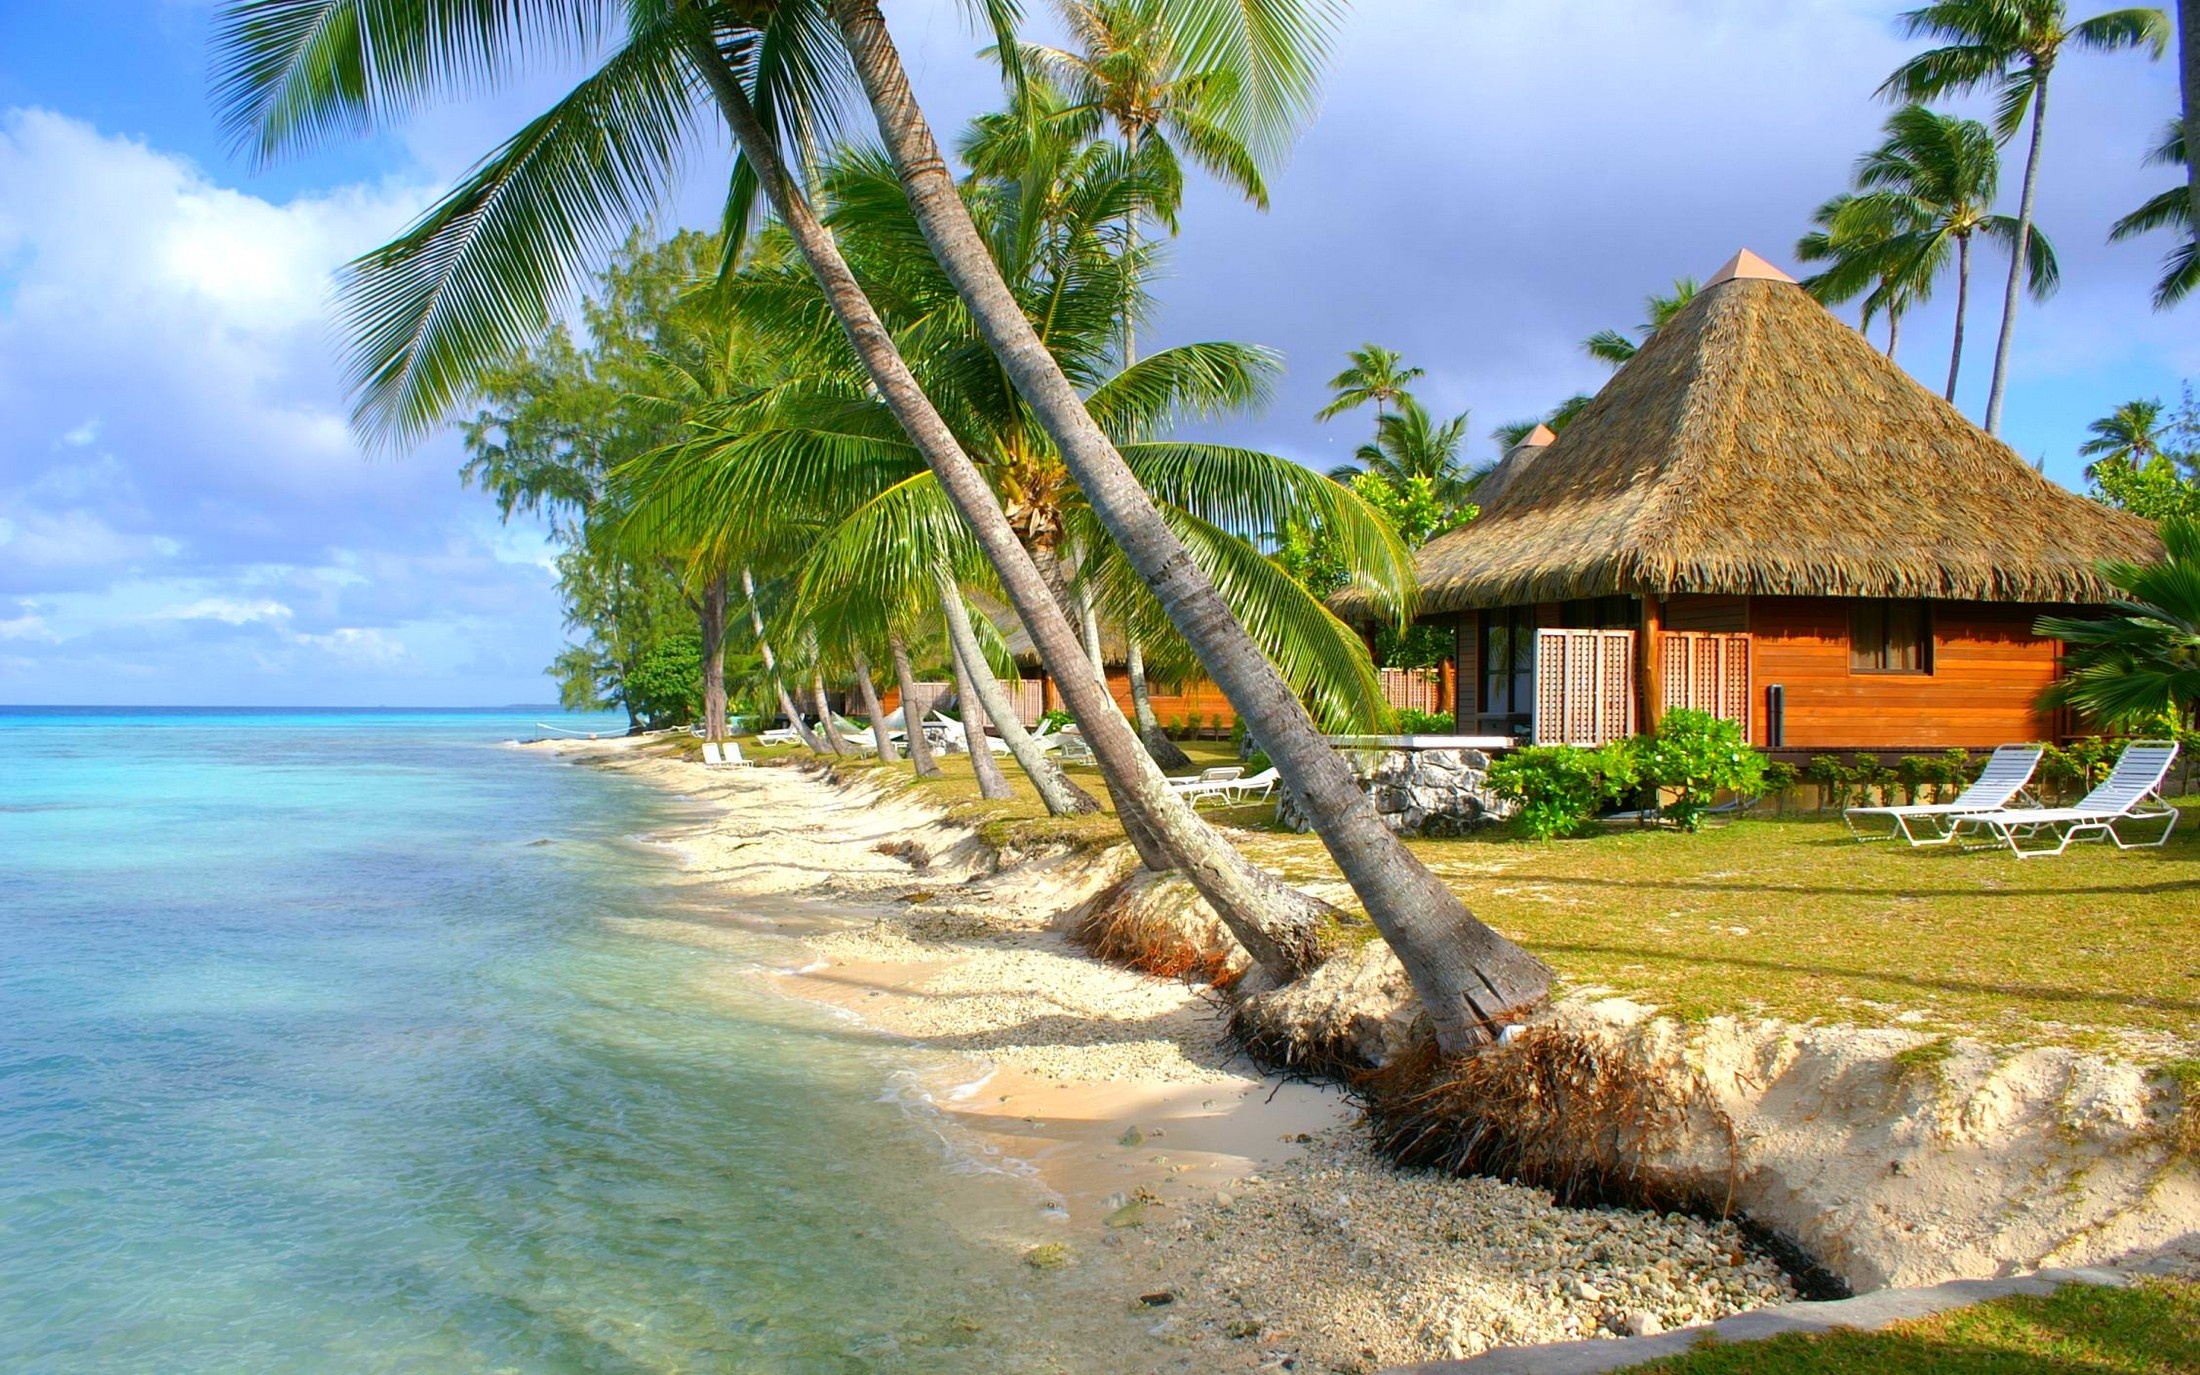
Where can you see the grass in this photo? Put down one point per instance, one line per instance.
(2080, 1329)
(1779, 917)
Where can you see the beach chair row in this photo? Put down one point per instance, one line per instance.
(2000, 810)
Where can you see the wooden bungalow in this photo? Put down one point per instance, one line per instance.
(1763, 517)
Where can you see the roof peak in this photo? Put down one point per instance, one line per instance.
(1747, 266)
(1537, 438)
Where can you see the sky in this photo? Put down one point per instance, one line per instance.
(187, 518)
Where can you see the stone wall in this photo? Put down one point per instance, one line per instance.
(1419, 789)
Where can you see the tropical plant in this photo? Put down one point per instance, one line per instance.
(2132, 433)
(1611, 346)
(1861, 242)
(2010, 48)
(1373, 374)
(1938, 174)
(1508, 436)
(1411, 444)
(666, 685)
(1557, 790)
(1694, 756)
(2171, 210)
(2140, 663)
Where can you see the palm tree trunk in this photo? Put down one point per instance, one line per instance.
(920, 749)
(867, 691)
(1158, 744)
(992, 783)
(2188, 80)
(771, 665)
(1894, 333)
(712, 615)
(2018, 254)
(825, 726)
(1061, 796)
(1470, 979)
(1278, 926)
(1963, 299)
(1088, 621)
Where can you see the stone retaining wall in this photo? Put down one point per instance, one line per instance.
(1419, 790)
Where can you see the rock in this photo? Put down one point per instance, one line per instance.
(1642, 1323)
(1052, 1255)
(1131, 1136)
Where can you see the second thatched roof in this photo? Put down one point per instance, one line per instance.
(1758, 445)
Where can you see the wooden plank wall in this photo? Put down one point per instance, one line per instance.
(1988, 670)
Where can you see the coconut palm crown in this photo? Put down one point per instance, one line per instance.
(2139, 666)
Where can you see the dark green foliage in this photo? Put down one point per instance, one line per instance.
(1557, 790)
(1695, 756)
(1833, 779)
(1424, 722)
(665, 687)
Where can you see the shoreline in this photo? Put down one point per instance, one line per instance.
(1240, 1218)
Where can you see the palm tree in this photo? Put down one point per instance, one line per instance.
(1509, 435)
(1615, 348)
(2171, 210)
(2132, 434)
(1470, 979)
(1374, 374)
(1938, 174)
(481, 271)
(1412, 444)
(2010, 47)
(1857, 241)
(2139, 667)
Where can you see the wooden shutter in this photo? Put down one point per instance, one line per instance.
(1584, 686)
(1706, 672)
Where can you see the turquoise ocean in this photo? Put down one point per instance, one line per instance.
(353, 1042)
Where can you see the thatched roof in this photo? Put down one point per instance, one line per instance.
(1758, 445)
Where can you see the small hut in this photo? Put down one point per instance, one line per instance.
(1762, 517)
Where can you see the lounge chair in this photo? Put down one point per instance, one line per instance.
(2004, 780)
(2133, 792)
(1205, 776)
(1233, 790)
(725, 755)
(779, 735)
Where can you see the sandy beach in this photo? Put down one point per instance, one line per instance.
(1236, 1217)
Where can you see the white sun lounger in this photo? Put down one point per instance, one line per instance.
(725, 755)
(1206, 776)
(2133, 792)
(1997, 789)
(1234, 790)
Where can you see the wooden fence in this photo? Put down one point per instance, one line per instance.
(1413, 689)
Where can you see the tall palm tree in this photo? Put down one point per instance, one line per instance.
(1938, 174)
(1374, 374)
(2171, 210)
(2010, 48)
(2139, 665)
(1856, 240)
(2132, 433)
(1611, 346)
(1413, 444)
(481, 271)
(1470, 979)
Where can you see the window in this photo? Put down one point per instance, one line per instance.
(1600, 613)
(1508, 661)
(1890, 637)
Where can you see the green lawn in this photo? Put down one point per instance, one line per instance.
(2077, 1330)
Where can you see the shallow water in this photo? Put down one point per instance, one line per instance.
(314, 1057)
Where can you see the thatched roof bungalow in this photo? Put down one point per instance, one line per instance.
(1810, 540)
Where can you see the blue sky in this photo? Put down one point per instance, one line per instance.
(184, 517)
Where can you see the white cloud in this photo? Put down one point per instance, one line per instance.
(82, 434)
(227, 610)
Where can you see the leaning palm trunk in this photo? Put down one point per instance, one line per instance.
(771, 665)
(920, 749)
(713, 620)
(1061, 796)
(2188, 75)
(1470, 979)
(1278, 926)
(992, 783)
(867, 692)
(2018, 253)
(1158, 744)
(825, 726)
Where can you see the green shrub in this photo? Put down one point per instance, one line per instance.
(1056, 720)
(666, 686)
(1955, 772)
(1557, 790)
(1832, 777)
(1424, 722)
(1695, 756)
(1780, 777)
(1915, 771)
(1871, 778)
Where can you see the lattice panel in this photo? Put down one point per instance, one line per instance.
(1413, 689)
(1706, 672)
(1584, 686)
